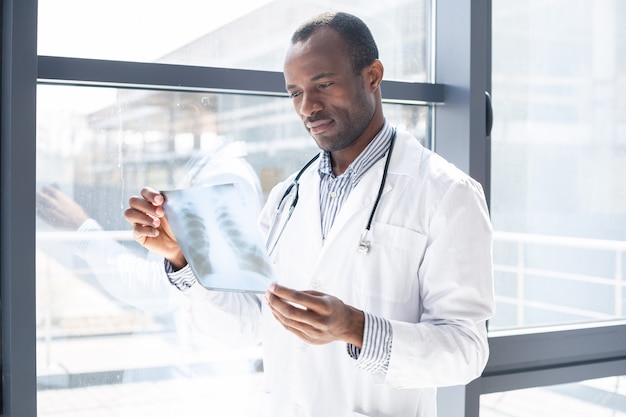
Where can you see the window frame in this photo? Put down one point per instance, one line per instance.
(157, 76)
(17, 207)
(521, 359)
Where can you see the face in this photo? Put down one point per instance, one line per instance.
(335, 104)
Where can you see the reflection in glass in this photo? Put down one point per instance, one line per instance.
(111, 331)
(558, 162)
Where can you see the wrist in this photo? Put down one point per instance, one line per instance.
(357, 328)
(177, 261)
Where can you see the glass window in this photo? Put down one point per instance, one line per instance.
(597, 397)
(111, 331)
(248, 34)
(558, 161)
(113, 336)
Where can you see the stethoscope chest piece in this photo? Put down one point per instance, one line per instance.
(364, 245)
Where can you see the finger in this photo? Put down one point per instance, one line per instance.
(286, 310)
(141, 205)
(47, 190)
(144, 226)
(294, 324)
(42, 198)
(304, 331)
(295, 316)
(294, 296)
(152, 196)
(155, 198)
(45, 205)
(308, 299)
(283, 307)
(141, 232)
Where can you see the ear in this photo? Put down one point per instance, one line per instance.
(373, 74)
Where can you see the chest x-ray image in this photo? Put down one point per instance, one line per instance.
(216, 229)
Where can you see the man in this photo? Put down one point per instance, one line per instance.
(384, 275)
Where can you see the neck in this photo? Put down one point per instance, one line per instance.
(342, 158)
(338, 169)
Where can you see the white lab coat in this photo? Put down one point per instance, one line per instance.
(429, 271)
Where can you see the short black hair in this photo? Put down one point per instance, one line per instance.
(360, 43)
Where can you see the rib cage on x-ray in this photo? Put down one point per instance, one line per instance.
(218, 236)
(197, 233)
(250, 255)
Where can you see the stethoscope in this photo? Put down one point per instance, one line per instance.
(276, 232)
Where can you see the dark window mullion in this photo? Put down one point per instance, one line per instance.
(92, 72)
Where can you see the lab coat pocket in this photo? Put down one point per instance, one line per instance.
(388, 271)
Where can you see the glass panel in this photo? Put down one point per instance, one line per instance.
(111, 331)
(558, 161)
(602, 397)
(250, 34)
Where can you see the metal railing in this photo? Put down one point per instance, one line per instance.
(522, 270)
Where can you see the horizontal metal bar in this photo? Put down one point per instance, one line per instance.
(148, 374)
(122, 74)
(562, 241)
(532, 378)
(554, 347)
(411, 92)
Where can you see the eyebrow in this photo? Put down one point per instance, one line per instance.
(322, 75)
(315, 78)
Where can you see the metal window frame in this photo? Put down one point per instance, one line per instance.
(528, 357)
(156, 76)
(462, 77)
(17, 207)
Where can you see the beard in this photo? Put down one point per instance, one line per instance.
(349, 123)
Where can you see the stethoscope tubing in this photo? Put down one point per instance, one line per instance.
(363, 243)
(279, 208)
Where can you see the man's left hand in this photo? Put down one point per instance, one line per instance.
(315, 317)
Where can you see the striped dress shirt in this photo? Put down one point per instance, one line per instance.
(334, 191)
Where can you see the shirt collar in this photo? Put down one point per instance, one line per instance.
(372, 153)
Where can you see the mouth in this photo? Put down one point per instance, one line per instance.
(318, 126)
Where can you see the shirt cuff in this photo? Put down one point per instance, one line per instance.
(89, 225)
(376, 351)
(79, 246)
(183, 278)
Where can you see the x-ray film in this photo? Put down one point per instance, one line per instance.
(216, 229)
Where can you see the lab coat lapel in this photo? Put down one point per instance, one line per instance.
(306, 217)
(298, 251)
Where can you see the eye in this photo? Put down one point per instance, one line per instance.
(294, 94)
(325, 85)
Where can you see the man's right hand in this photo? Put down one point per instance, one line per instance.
(150, 227)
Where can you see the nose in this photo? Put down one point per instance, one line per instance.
(309, 104)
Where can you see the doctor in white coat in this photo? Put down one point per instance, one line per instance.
(381, 249)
